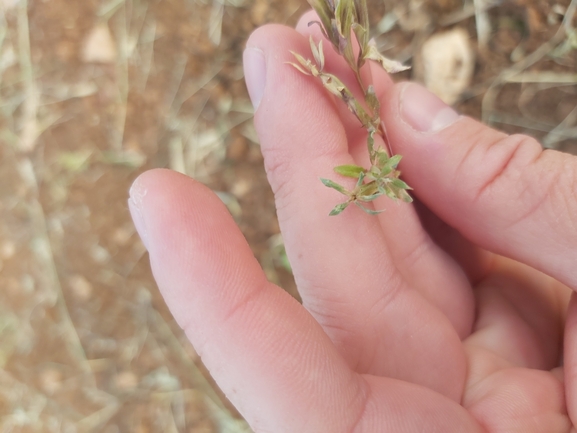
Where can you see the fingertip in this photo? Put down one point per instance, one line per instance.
(173, 211)
(254, 63)
(138, 205)
(153, 180)
(423, 111)
(267, 68)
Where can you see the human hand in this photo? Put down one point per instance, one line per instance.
(421, 319)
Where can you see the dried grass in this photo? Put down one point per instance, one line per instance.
(48, 381)
(86, 343)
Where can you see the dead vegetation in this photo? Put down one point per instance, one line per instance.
(94, 92)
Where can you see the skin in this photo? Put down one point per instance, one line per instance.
(452, 314)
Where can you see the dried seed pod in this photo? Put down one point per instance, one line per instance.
(343, 23)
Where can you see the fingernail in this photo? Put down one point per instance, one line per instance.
(254, 74)
(424, 111)
(137, 193)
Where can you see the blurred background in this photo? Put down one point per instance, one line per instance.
(94, 92)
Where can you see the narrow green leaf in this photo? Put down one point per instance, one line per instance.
(382, 158)
(329, 183)
(348, 53)
(349, 170)
(372, 101)
(369, 211)
(390, 192)
(371, 145)
(370, 197)
(314, 48)
(321, 55)
(299, 68)
(398, 183)
(404, 196)
(344, 16)
(374, 173)
(362, 15)
(362, 35)
(391, 164)
(325, 13)
(307, 64)
(357, 109)
(368, 189)
(360, 180)
(339, 208)
(317, 53)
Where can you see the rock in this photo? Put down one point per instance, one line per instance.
(446, 64)
(99, 46)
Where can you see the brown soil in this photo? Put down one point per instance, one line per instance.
(86, 341)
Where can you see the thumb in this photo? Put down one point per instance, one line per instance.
(503, 192)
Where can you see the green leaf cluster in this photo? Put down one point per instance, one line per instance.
(380, 179)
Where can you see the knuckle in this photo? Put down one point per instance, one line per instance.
(244, 306)
(515, 172)
(279, 173)
(563, 191)
(494, 170)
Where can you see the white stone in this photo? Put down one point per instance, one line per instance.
(447, 64)
(99, 46)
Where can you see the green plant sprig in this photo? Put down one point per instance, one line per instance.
(344, 23)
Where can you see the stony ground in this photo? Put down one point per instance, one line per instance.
(93, 92)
